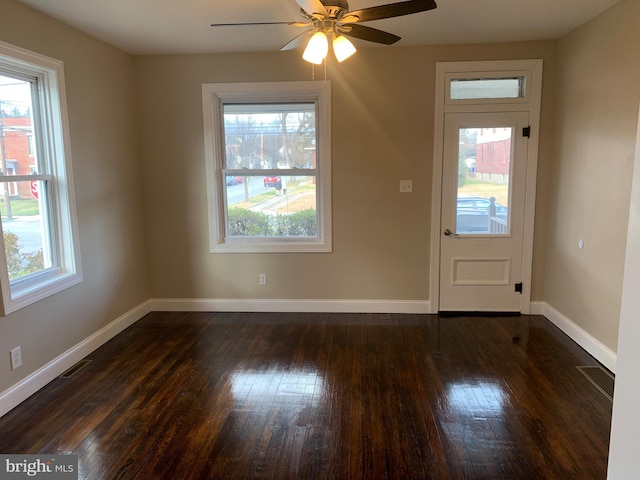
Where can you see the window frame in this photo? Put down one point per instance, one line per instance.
(52, 141)
(214, 96)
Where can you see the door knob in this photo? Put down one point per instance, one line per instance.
(447, 232)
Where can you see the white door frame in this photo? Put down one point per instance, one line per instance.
(532, 70)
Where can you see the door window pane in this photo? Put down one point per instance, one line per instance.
(484, 171)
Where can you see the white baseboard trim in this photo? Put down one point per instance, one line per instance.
(283, 305)
(19, 392)
(597, 349)
(22, 390)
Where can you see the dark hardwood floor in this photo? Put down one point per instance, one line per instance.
(324, 396)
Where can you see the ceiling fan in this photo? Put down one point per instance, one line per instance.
(332, 18)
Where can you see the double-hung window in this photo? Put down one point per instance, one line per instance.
(267, 150)
(39, 254)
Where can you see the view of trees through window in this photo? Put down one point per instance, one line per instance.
(270, 170)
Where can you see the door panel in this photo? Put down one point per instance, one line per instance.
(484, 176)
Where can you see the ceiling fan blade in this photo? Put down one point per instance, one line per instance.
(392, 10)
(298, 40)
(313, 7)
(295, 24)
(369, 34)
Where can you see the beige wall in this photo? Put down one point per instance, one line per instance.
(597, 105)
(102, 110)
(382, 131)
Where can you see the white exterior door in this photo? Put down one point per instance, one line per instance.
(483, 201)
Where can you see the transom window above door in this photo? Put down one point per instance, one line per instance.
(485, 88)
(469, 88)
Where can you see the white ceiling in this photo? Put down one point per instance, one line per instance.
(182, 26)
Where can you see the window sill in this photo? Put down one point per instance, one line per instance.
(37, 289)
(275, 246)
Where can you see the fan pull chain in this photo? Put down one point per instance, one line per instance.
(313, 71)
(325, 71)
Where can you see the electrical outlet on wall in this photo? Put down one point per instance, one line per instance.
(262, 279)
(406, 186)
(16, 358)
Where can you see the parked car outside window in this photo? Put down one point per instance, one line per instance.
(477, 205)
(472, 214)
(271, 181)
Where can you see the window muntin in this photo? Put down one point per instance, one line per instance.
(39, 254)
(268, 166)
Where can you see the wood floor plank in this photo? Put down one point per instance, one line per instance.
(324, 396)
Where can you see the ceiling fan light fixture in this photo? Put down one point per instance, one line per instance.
(327, 19)
(317, 48)
(343, 48)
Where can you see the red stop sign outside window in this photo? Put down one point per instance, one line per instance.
(33, 184)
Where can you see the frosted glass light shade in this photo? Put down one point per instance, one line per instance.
(343, 48)
(317, 48)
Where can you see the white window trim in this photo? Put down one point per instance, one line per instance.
(54, 124)
(213, 96)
